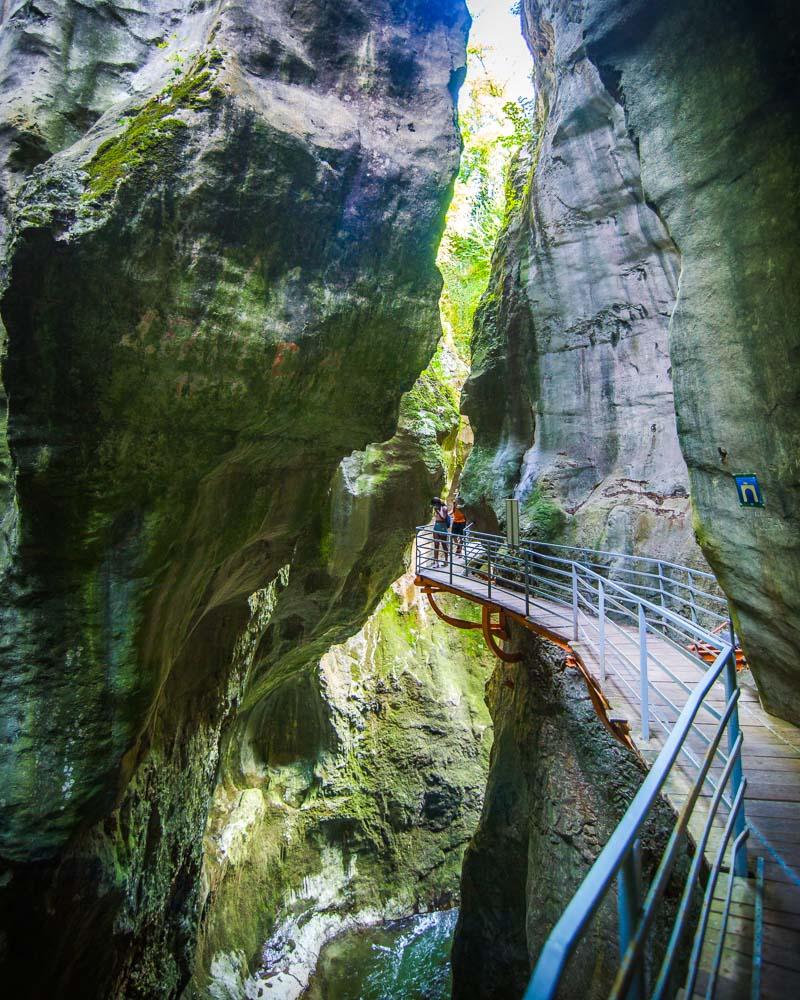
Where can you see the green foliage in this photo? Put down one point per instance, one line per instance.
(431, 406)
(522, 115)
(542, 516)
(492, 129)
(465, 263)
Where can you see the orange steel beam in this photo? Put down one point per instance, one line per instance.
(428, 587)
(617, 727)
(489, 633)
(709, 653)
(455, 622)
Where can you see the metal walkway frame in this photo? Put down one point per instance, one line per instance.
(638, 617)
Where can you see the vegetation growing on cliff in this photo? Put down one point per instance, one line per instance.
(541, 515)
(493, 128)
(374, 820)
(432, 403)
(151, 129)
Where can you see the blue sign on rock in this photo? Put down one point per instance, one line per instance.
(749, 491)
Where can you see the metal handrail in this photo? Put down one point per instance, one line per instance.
(622, 846)
(608, 553)
(619, 563)
(540, 571)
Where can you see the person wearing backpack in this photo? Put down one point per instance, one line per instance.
(441, 527)
(459, 524)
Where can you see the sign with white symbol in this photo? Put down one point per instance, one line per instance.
(749, 491)
(512, 523)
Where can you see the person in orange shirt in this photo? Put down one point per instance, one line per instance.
(459, 524)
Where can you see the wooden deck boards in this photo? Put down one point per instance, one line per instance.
(771, 761)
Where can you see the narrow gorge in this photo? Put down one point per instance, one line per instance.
(275, 278)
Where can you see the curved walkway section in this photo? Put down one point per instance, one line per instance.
(654, 645)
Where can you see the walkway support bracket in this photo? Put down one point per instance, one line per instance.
(500, 631)
(492, 631)
(448, 619)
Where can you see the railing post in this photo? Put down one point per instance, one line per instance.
(629, 912)
(758, 933)
(737, 776)
(692, 603)
(644, 691)
(489, 573)
(662, 596)
(574, 602)
(601, 617)
(527, 583)
(450, 555)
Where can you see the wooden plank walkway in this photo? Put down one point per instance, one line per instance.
(771, 761)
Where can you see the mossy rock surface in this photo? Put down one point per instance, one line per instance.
(366, 807)
(151, 130)
(217, 286)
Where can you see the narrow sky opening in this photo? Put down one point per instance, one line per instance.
(507, 58)
(495, 111)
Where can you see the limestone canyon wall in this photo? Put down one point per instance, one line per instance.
(639, 336)
(348, 797)
(711, 97)
(219, 228)
(570, 393)
(642, 315)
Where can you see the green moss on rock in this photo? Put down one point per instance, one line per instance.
(541, 516)
(151, 131)
(192, 350)
(376, 820)
(431, 406)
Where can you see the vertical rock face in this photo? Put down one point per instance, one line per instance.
(648, 269)
(571, 390)
(711, 96)
(653, 239)
(558, 786)
(218, 279)
(347, 795)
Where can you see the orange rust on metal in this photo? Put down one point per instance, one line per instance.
(618, 728)
(489, 633)
(455, 622)
(501, 628)
(708, 653)
(428, 586)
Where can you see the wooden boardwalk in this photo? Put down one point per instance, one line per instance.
(771, 761)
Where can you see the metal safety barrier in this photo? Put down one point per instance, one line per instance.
(630, 612)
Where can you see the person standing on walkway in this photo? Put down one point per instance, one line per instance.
(441, 527)
(459, 524)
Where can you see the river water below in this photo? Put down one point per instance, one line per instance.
(402, 960)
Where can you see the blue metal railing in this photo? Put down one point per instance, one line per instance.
(619, 856)
(613, 603)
